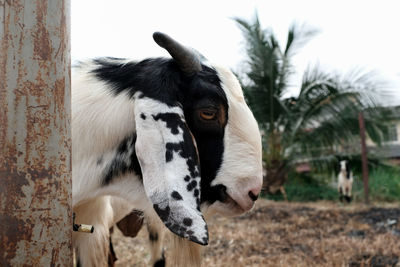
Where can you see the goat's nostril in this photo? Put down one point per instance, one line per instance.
(253, 196)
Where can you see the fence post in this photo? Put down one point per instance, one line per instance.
(35, 138)
(364, 157)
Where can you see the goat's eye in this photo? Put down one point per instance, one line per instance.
(208, 115)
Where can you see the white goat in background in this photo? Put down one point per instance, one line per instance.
(345, 181)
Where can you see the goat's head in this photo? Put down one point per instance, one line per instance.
(198, 144)
(345, 166)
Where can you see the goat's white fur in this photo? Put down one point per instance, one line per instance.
(345, 184)
(242, 149)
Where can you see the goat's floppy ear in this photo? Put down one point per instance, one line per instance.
(168, 157)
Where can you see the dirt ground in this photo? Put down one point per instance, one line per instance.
(292, 234)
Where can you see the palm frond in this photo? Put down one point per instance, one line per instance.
(323, 117)
(298, 36)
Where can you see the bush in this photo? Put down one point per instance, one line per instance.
(384, 186)
(303, 187)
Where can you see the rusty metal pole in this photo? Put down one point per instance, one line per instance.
(35, 140)
(364, 158)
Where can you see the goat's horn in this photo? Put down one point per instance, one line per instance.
(187, 60)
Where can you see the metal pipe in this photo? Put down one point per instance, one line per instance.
(35, 139)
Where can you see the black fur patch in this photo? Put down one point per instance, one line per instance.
(173, 121)
(153, 236)
(196, 192)
(190, 232)
(187, 221)
(168, 155)
(206, 90)
(162, 213)
(142, 116)
(176, 195)
(348, 170)
(192, 185)
(173, 147)
(185, 149)
(125, 161)
(195, 239)
(176, 228)
(160, 263)
(218, 192)
(112, 257)
(157, 78)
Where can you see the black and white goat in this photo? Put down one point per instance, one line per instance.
(345, 181)
(173, 137)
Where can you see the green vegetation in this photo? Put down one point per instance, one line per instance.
(305, 188)
(384, 186)
(310, 125)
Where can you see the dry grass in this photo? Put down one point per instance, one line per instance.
(292, 234)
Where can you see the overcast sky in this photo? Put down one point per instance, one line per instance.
(356, 33)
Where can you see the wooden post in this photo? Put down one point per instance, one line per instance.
(35, 135)
(364, 156)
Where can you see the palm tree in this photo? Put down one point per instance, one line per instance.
(323, 115)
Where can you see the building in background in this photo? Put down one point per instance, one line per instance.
(390, 148)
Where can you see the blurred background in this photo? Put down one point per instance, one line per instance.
(318, 75)
(307, 69)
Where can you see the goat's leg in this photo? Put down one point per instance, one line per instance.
(91, 250)
(156, 237)
(283, 191)
(341, 196)
(348, 199)
(112, 257)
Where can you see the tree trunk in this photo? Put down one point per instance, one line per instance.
(275, 165)
(276, 175)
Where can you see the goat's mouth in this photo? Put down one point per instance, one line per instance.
(226, 203)
(234, 205)
(231, 205)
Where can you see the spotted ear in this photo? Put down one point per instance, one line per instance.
(168, 157)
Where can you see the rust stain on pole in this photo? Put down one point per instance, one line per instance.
(35, 140)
